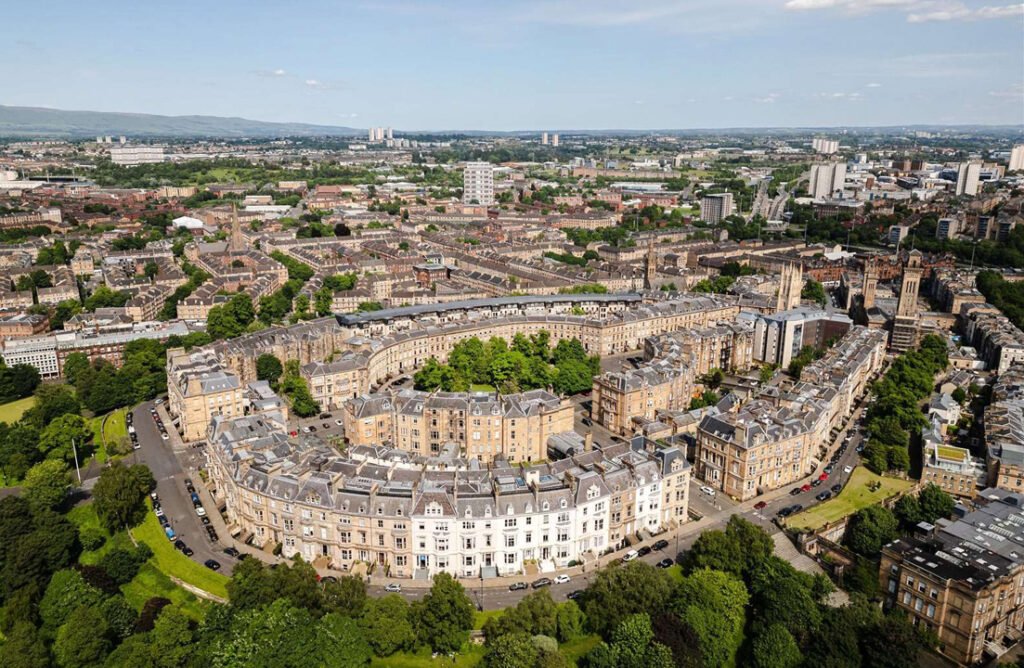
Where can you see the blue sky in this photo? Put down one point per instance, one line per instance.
(557, 64)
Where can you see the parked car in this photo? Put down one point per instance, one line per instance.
(644, 551)
(205, 519)
(816, 483)
(797, 508)
(707, 490)
(795, 491)
(661, 545)
(562, 579)
(325, 416)
(630, 556)
(169, 532)
(541, 582)
(164, 435)
(665, 563)
(518, 586)
(200, 511)
(760, 505)
(212, 564)
(179, 545)
(393, 588)
(847, 469)
(574, 594)
(232, 552)
(837, 488)
(824, 476)
(339, 422)
(784, 512)
(806, 487)
(824, 496)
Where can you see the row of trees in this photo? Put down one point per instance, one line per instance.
(1005, 295)
(18, 381)
(529, 363)
(896, 412)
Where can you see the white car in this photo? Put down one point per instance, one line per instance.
(707, 490)
(561, 579)
(200, 511)
(339, 422)
(847, 469)
(630, 556)
(164, 435)
(393, 588)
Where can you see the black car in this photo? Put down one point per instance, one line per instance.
(643, 551)
(815, 483)
(574, 594)
(518, 586)
(837, 488)
(212, 565)
(795, 509)
(795, 491)
(824, 496)
(328, 578)
(665, 563)
(179, 545)
(785, 512)
(232, 552)
(204, 519)
(542, 582)
(661, 545)
(187, 551)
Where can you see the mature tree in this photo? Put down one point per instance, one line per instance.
(341, 643)
(387, 625)
(619, 591)
(935, 503)
(346, 597)
(712, 604)
(783, 595)
(46, 484)
(82, 640)
(53, 401)
(892, 643)
(870, 529)
(119, 615)
(120, 493)
(66, 592)
(276, 635)
(74, 366)
(512, 650)
(23, 647)
(251, 585)
(571, 621)
(18, 381)
(737, 550)
(775, 648)
(907, 510)
(814, 291)
(297, 584)
(269, 368)
(172, 638)
(632, 645)
(444, 615)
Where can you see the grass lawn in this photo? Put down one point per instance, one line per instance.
(481, 387)
(481, 617)
(574, 650)
(471, 655)
(173, 563)
(149, 582)
(11, 412)
(107, 430)
(852, 498)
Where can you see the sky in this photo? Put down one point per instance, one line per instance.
(525, 64)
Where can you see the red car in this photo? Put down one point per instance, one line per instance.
(806, 487)
(760, 505)
(823, 477)
(293, 433)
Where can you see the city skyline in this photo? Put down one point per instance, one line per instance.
(452, 65)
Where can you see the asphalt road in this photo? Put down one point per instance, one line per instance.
(159, 456)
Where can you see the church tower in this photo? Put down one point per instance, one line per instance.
(870, 283)
(791, 284)
(650, 266)
(905, 325)
(237, 243)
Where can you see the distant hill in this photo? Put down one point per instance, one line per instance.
(39, 121)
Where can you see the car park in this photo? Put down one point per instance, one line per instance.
(212, 564)
(661, 544)
(561, 579)
(518, 586)
(393, 588)
(630, 556)
(665, 563)
(541, 582)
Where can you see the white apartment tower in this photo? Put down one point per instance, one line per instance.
(554, 139)
(1016, 159)
(544, 139)
(478, 184)
(715, 208)
(967, 178)
(825, 146)
(130, 155)
(826, 179)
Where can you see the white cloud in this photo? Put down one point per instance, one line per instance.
(770, 98)
(874, 85)
(917, 11)
(1013, 91)
(312, 83)
(960, 12)
(279, 72)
